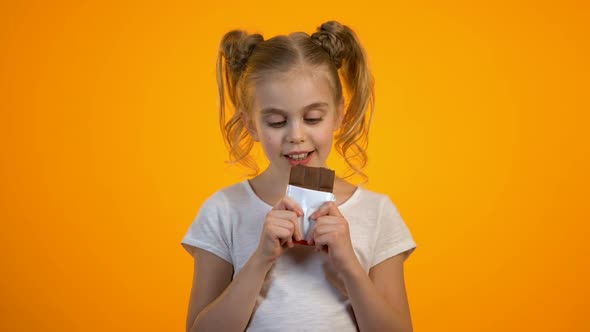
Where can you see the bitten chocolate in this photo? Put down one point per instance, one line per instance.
(314, 178)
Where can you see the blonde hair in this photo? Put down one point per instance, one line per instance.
(245, 58)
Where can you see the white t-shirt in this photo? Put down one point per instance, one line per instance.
(301, 291)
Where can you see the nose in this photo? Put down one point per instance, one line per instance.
(296, 133)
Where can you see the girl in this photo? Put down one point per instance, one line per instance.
(287, 94)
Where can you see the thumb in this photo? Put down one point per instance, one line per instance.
(287, 203)
(327, 209)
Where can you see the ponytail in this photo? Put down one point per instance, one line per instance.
(350, 59)
(234, 50)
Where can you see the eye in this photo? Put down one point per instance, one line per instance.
(277, 124)
(275, 120)
(313, 120)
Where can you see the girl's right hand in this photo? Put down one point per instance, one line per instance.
(280, 227)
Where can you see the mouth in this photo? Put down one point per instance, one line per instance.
(299, 158)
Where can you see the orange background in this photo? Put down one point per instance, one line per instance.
(109, 144)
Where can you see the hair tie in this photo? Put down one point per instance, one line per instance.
(332, 44)
(238, 52)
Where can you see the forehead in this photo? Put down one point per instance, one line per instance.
(292, 91)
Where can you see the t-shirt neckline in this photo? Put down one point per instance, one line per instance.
(344, 204)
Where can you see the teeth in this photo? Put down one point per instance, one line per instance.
(300, 156)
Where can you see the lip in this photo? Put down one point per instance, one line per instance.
(297, 152)
(300, 162)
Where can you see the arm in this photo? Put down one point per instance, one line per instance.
(208, 283)
(379, 299)
(217, 302)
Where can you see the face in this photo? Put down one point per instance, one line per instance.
(294, 117)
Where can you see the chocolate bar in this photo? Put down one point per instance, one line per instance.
(310, 187)
(314, 178)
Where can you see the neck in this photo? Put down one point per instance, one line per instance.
(270, 187)
(274, 179)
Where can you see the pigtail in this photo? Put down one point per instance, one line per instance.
(350, 59)
(234, 50)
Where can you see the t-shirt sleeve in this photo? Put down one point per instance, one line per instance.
(211, 229)
(393, 236)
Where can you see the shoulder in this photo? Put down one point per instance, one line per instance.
(373, 199)
(239, 189)
(221, 197)
(370, 206)
(373, 195)
(350, 194)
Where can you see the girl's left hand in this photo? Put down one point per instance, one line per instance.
(331, 231)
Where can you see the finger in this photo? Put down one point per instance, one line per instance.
(284, 214)
(287, 203)
(322, 242)
(281, 233)
(311, 234)
(287, 244)
(325, 229)
(329, 220)
(292, 218)
(287, 238)
(328, 208)
(281, 223)
(297, 231)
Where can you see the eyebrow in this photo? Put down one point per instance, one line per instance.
(273, 110)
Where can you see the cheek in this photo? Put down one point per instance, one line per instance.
(270, 142)
(326, 138)
(270, 139)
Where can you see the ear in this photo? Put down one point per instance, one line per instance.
(249, 125)
(339, 113)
